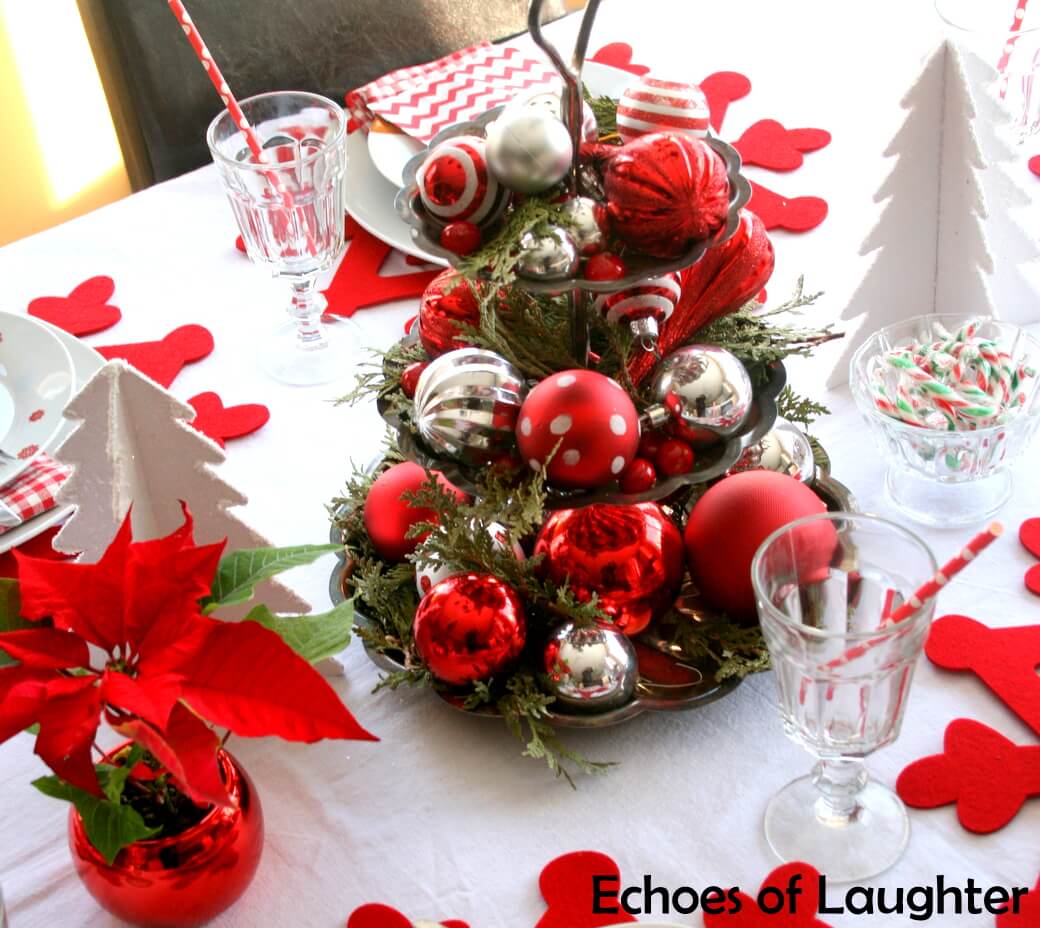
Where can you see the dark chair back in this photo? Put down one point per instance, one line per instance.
(162, 101)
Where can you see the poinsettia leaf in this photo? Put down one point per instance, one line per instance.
(45, 647)
(247, 679)
(110, 826)
(240, 572)
(313, 637)
(187, 748)
(23, 693)
(68, 726)
(149, 696)
(10, 614)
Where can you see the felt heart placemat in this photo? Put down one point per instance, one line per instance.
(163, 360)
(770, 907)
(769, 145)
(566, 884)
(1029, 535)
(619, 55)
(84, 311)
(221, 422)
(376, 915)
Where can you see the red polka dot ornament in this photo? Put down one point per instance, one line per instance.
(655, 105)
(455, 183)
(585, 422)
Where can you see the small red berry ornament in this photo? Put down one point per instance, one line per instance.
(638, 477)
(674, 457)
(410, 378)
(448, 302)
(461, 237)
(605, 266)
(592, 420)
(455, 183)
(469, 627)
(388, 517)
(650, 443)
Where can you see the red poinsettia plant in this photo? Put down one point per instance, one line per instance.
(129, 640)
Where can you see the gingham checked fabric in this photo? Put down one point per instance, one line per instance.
(422, 100)
(35, 491)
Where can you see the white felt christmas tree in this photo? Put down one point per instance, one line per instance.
(134, 446)
(930, 240)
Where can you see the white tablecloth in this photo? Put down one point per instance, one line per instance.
(443, 818)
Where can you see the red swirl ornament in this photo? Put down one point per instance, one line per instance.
(448, 302)
(665, 191)
(469, 627)
(722, 281)
(631, 557)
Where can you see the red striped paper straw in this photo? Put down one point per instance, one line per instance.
(1005, 58)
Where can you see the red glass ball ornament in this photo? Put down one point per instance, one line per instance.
(592, 420)
(455, 183)
(605, 266)
(448, 302)
(638, 477)
(629, 556)
(461, 237)
(732, 519)
(410, 377)
(388, 517)
(654, 105)
(184, 880)
(469, 627)
(674, 457)
(665, 191)
(649, 444)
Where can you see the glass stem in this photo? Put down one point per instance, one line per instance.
(840, 783)
(306, 308)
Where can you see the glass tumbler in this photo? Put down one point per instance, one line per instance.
(290, 211)
(1005, 34)
(825, 586)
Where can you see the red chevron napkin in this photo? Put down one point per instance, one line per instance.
(422, 100)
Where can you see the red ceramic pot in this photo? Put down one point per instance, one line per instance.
(184, 880)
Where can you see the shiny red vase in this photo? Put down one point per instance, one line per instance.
(184, 880)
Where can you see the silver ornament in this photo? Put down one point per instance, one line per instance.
(784, 449)
(466, 404)
(590, 669)
(581, 218)
(547, 253)
(429, 575)
(705, 389)
(528, 149)
(552, 102)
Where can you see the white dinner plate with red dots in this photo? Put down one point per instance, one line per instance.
(375, 161)
(36, 381)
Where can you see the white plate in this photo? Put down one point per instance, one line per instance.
(375, 161)
(85, 362)
(36, 381)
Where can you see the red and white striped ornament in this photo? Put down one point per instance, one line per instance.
(455, 183)
(643, 307)
(654, 105)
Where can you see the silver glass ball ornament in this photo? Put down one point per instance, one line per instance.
(580, 216)
(589, 669)
(783, 449)
(703, 388)
(528, 149)
(552, 101)
(466, 404)
(547, 253)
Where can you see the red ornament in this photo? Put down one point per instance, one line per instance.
(630, 557)
(652, 299)
(455, 183)
(665, 191)
(469, 627)
(388, 517)
(649, 444)
(674, 457)
(461, 237)
(638, 477)
(653, 105)
(586, 421)
(448, 302)
(732, 519)
(723, 280)
(605, 266)
(410, 377)
(188, 879)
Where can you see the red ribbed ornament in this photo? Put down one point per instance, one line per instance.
(448, 302)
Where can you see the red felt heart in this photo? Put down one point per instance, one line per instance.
(1029, 535)
(1005, 659)
(222, 422)
(83, 311)
(985, 774)
(164, 359)
(723, 88)
(619, 55)
(1028, 914)
(567, 888)
(806, 902)
(1033, 579)
(769, 145)
(240, 244)
(797, 214)
(1034, 165)
(375, 915)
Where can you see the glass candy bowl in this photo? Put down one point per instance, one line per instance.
(939, 476)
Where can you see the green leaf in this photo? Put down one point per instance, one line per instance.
(10, 614)
(313, 637)
(113, 778)
(240, 572)
(110, 826)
